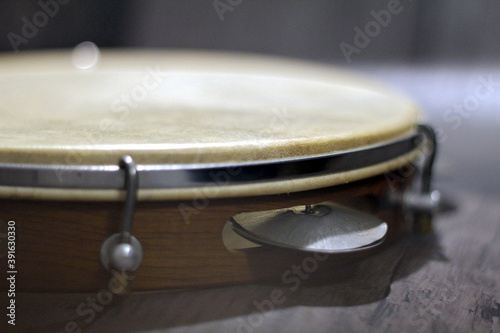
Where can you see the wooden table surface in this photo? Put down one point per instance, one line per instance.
(444, 281)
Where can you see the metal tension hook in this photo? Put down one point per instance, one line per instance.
(420, 201)
(122, 251)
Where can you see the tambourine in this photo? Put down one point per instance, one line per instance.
(187, 169)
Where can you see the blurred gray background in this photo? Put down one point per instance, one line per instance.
(425, 30)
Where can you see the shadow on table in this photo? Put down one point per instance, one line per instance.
(363, 282)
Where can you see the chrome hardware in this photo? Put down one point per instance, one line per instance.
(325, 227)
(332, 228)
(167, 176)
(419, 201)
(122, 251)
(422, 202)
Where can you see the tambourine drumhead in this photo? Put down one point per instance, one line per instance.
(184, 108)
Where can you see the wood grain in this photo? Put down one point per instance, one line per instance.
(58, 242)
(445, 281)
